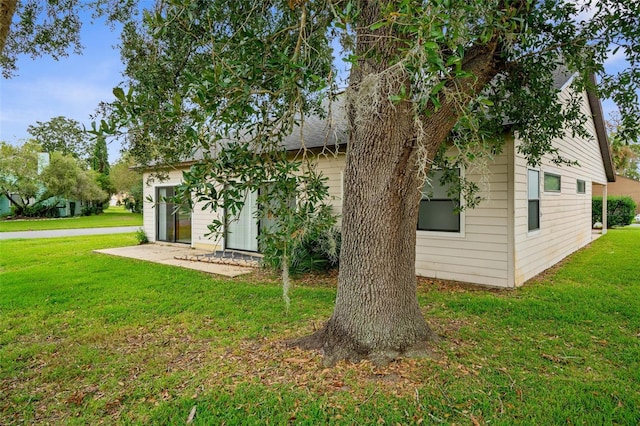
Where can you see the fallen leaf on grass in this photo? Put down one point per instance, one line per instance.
(192, 414)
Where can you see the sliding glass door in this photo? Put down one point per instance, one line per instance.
(242, 232)
(172, 226)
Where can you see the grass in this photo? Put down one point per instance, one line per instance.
(88, 338)
(113, 216)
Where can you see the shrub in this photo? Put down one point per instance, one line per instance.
(141, 236)
(315, 246)
(95, 207)
(317, 252)
(37, 210)
(620, 211)
(87, 210)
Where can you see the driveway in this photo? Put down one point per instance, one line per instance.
(54, 233)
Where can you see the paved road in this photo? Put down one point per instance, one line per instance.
(68, 232)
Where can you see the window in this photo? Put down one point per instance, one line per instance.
(534, 199)
(551, 182)
(581, 187)
(438, 209)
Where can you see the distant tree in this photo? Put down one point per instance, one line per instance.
(61, 134)
(100, 156)
(625, 152)
(19, 180)
(626, 157)
(127, 182)
(99, 162)
(65, 177)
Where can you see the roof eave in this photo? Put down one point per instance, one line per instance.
(601, 132)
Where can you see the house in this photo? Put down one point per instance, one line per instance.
(623, 186)
(530, 217)
(5, 205)
(54, 206)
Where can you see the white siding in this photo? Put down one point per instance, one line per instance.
(479, 253)
(565, 217)
(332, 168)
(200, 219)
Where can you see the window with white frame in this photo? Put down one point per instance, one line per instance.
(439, 208)
(581, 186)
(533, 196)
(552, 182)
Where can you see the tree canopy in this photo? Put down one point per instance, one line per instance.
(30, 177)
(64, 177)
(19, 180)
(625, 153)
(63, 135)
(51, 28)
(128, 182)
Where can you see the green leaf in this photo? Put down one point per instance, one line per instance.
(119, 94)
(378, 25)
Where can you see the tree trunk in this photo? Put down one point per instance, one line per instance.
(7, 10)
(376, 314)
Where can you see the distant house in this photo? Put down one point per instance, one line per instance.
(62, 206)
(623, 186)
(530, 219)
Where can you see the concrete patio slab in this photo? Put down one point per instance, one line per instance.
(168, 255)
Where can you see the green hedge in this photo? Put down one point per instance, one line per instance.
(620, 211)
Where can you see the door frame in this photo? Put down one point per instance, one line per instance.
(175, 216)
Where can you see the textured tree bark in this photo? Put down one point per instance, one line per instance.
(7, 9)
(377, 315)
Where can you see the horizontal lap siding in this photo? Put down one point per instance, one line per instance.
(480, 254)
(332, 167)
(200, 219)
(565, 220)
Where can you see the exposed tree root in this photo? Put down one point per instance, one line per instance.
(336, 346)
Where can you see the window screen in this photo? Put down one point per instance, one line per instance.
(551, 182)
(534, 199)
(438, 209)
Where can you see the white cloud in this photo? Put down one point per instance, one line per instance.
(616, 61)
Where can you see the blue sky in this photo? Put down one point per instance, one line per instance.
(74, 86)
(71, 87)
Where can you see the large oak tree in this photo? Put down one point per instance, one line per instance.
(228, 81)
(424, 75)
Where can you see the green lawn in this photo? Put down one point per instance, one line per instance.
(88, 338)
(113, 216)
